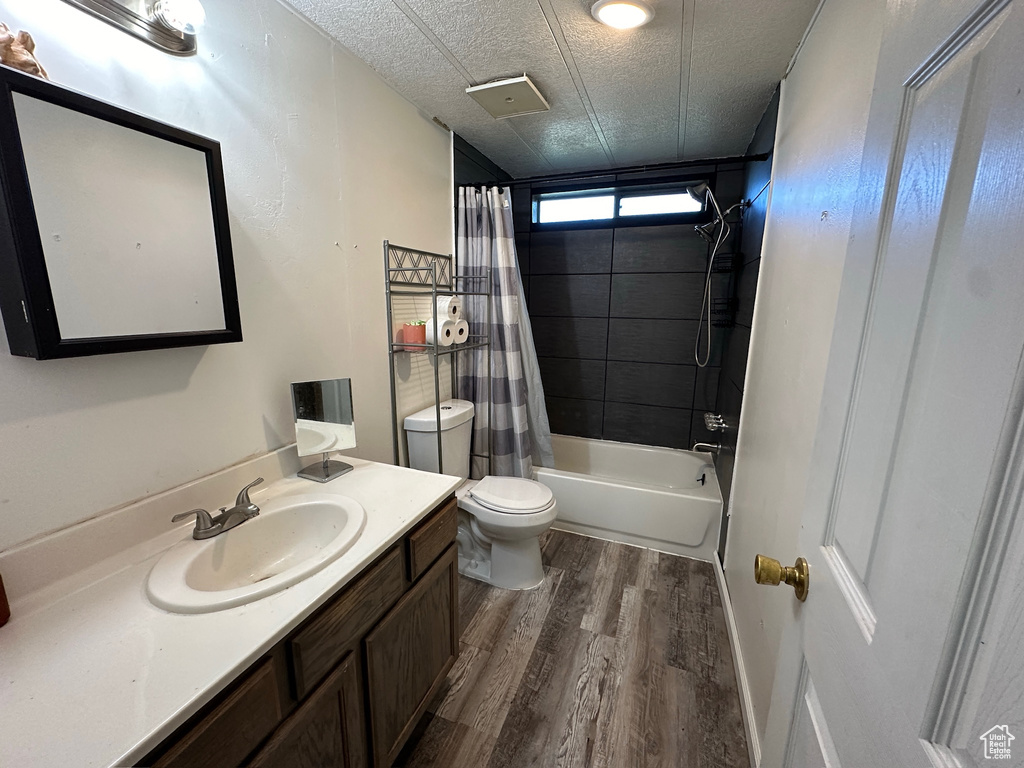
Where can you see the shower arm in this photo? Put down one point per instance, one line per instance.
(742, 204)
(720, 214)
(706, 231)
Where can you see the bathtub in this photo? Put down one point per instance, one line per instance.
(652, 497)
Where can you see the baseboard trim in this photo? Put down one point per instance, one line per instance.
(746, 705)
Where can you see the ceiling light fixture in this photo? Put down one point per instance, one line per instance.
(622, 14)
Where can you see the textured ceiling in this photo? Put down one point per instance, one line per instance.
(691, 84)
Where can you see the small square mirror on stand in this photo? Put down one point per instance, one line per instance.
(323, 423)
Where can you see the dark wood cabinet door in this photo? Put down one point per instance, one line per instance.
(408, 655)
(327, 730)
(229, 732)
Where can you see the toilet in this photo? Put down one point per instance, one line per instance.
(500, 518)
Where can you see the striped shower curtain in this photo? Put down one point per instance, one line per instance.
(519, 435)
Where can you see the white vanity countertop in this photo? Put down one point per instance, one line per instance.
(99, 676)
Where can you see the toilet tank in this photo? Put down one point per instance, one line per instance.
(456, 437)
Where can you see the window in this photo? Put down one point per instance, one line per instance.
(590, 208)
(618, 206)
(650, 205)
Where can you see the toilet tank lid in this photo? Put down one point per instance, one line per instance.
(453, 413)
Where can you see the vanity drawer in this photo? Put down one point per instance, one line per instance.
(234, 728)
(319, 646)
(426, 543)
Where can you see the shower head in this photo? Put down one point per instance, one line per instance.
(698, 192)
(706, 231)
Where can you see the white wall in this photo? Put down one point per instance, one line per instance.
(323, 161)
(819, 145)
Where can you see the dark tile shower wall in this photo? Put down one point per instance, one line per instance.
(470, 166)
(615, 316)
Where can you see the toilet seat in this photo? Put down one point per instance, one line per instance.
(512, 495)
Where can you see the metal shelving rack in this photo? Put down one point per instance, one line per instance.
(414, 273)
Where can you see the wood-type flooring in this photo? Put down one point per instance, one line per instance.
(620, 659)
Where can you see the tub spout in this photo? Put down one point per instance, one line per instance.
(707, 447)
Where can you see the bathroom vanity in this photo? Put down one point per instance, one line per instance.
(334, 670)
(353, 680)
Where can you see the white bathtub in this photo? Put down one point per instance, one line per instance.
(652, 497)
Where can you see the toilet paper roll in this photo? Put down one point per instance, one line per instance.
(446, 335)
(449, 307)
(461, 331)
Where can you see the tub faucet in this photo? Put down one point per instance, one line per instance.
(208, 526)
(715, 422)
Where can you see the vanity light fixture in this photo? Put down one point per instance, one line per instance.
(184, 16)
(170, 25)
(622, 14)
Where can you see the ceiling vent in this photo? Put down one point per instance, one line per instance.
(509, 98)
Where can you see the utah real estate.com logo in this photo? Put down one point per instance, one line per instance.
(997, 742)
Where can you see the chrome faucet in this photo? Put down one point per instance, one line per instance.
(208, 526)
(715, 422)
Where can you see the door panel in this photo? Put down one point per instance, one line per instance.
(914, 607)
(810, 741)
(933, 114)
(959, 394)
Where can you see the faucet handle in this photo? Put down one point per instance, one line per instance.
(203, 519)
(243, 495)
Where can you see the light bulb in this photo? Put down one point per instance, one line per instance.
(622, 14)
(185, 16)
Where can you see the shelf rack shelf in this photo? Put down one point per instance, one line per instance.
(409, 272)
(433, 349)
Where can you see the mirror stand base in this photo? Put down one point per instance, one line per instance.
(325, 470)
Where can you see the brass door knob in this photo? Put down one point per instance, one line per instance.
(768, 570)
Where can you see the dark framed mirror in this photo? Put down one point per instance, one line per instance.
(114, 232)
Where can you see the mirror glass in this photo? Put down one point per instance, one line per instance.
(323, 416)
(126, 222)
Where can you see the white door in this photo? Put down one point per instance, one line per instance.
(912, 635)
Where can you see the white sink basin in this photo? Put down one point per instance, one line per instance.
(292, 538)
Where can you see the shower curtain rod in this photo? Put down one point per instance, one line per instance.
(667, 167)
(586, 175)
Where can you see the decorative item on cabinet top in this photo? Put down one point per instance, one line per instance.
(18, 51)
(114, 229)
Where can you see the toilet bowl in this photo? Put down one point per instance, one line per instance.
(500, 518)
(500, 522)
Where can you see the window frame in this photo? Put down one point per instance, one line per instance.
(620, 189)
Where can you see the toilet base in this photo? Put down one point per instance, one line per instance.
(516, 564)
(475, 569)
(505, 564)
